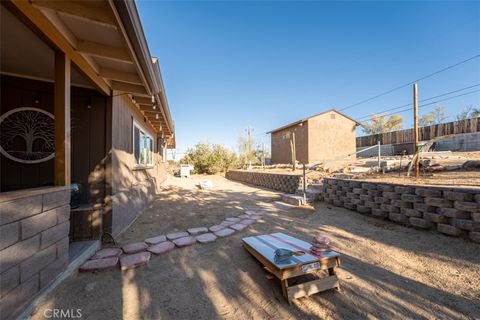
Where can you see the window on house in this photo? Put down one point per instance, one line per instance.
(142, 147)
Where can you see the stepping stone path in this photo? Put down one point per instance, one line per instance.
(134, 247)
(248, 222)
(107, 253)
(99, 264)
(216, 228)
(206, 238)
(224, 232)
(176, 235)
(162, 248)
(195, 231)
(227, 223)
(156, 240)
(134, 260)
(238, 226)
(137, 254)
(184, 242)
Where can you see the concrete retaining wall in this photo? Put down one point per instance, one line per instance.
(34, 227)
(280, 182)
(452, 211)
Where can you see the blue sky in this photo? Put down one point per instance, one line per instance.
(227, 65)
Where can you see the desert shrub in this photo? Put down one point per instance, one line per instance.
(209, 158)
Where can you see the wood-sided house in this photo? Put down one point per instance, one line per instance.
(83, 106)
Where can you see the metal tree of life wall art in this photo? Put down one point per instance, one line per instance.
(27, 135)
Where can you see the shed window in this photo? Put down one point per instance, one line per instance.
(332, 115)
(142, 147)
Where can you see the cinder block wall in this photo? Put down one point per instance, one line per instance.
(280, 182)
(34, 244)
(452, 211)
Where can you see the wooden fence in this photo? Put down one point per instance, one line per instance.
(425, 133)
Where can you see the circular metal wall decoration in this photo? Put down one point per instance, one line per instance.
(27, 135)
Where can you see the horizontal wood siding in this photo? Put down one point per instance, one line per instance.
(425, 133)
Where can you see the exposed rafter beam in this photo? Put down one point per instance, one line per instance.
(145, 101)
(129, 88)
(112, 74)
(49, 32)
(147, 108)
(94, 11)
(104, 51)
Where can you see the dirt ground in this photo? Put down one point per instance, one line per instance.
(457, 178)
(388, 271)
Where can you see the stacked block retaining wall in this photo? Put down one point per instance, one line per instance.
(449, 210)
(34, 227)
(280, 182)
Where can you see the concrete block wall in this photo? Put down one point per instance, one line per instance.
(451, 211)
(34, 227)
(280, 182)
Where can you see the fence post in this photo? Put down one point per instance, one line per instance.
(379, 154)
(304, 185)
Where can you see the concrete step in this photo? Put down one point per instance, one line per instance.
(311, 194)
(293, 199)
(316, 186)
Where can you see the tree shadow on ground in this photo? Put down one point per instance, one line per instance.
(222, 281)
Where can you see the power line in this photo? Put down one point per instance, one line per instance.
(437, 96)
(412, 82)
(435, 102)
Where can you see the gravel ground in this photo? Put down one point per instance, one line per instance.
(388, 271)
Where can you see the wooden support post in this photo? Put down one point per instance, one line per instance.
(415, 128)
(293, 150)
(62, 119)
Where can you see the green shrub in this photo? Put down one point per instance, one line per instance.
(209, 158)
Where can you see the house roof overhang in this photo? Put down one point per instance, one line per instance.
(106, 42)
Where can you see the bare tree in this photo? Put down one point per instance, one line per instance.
(35, 128)
(379, 123)
(466, 113)
(436, 116)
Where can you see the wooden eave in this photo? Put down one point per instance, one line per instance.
(111, 63)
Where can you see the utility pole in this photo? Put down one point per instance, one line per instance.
(415, 128)
(248, 147)
(263, 156)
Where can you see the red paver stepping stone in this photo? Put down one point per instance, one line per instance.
(131, 261)
(233, 219)
(176, 235)
(134, 247)
(206, 238)
(227, 223)
(238, 226)
(224, 232)
(216, 228)
(248, 222)
(162, 248)
(244, 216)
(155, 240)
(185, 241)
(107, 253)
(99, 264)
(194, 231)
